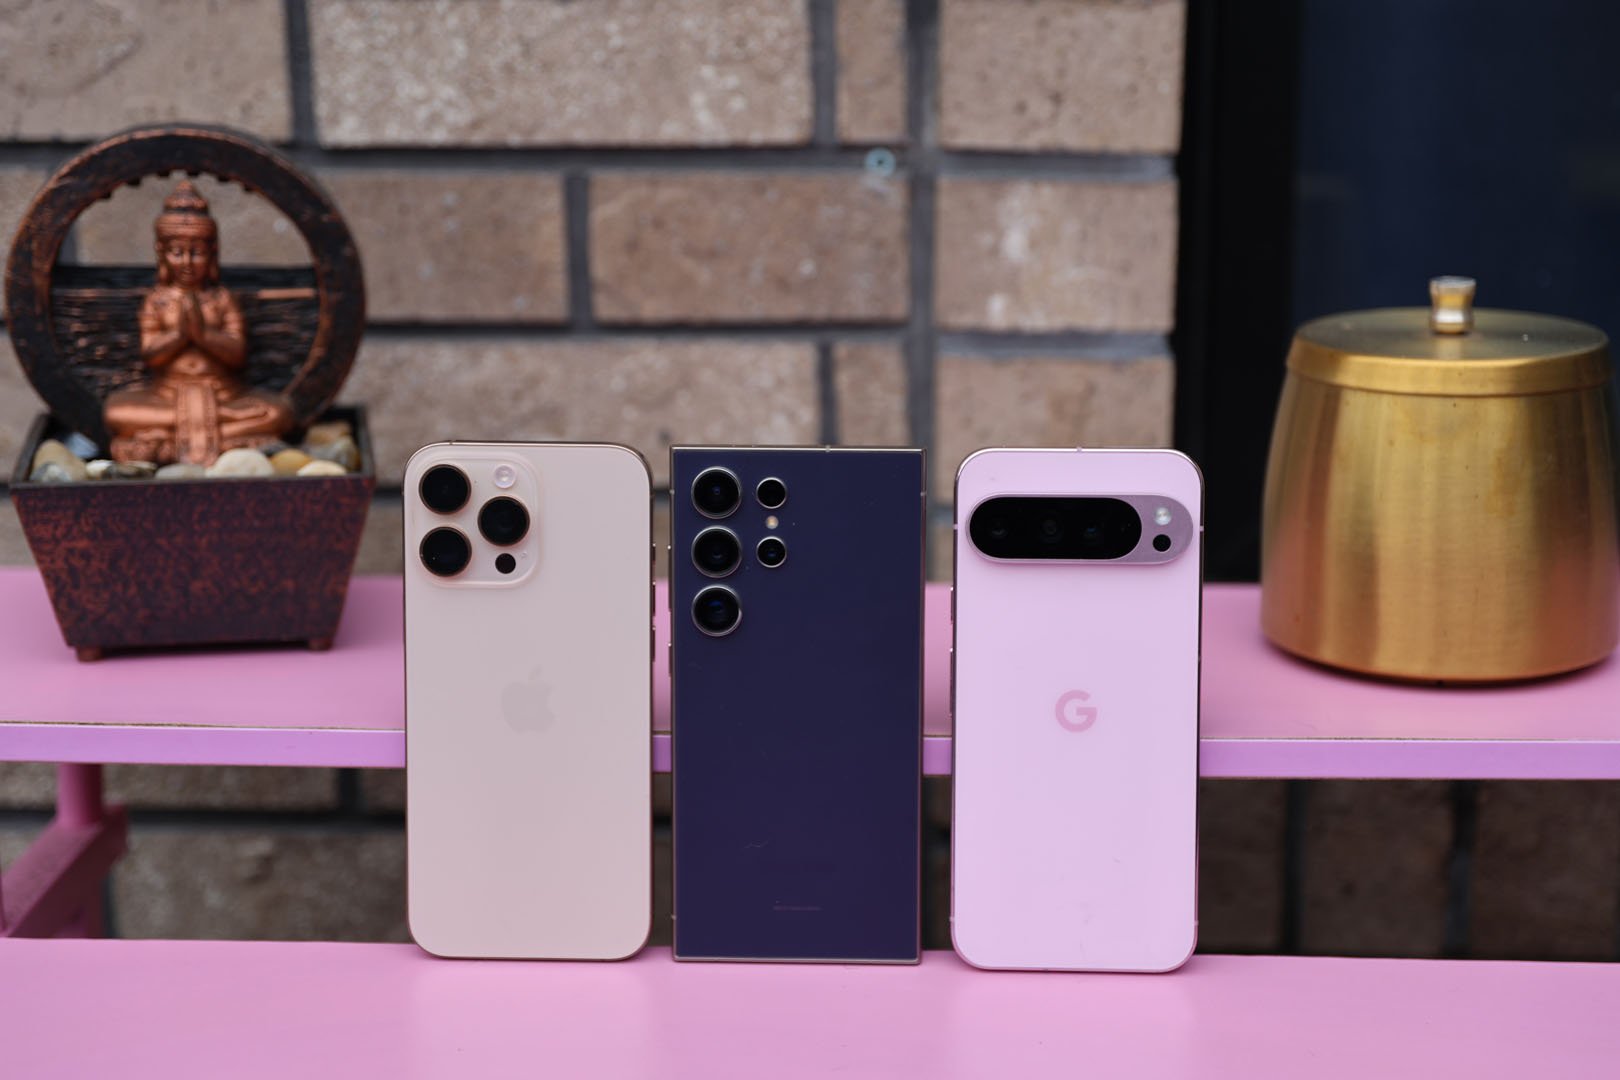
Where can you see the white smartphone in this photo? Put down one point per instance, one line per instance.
(528, 700)
(1076, 611)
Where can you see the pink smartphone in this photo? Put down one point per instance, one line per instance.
(528, 700)
(1077, 611)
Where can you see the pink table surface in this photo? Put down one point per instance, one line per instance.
(1264, 714)
(140, 1009)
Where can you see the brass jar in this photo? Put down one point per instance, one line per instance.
(1440, 496)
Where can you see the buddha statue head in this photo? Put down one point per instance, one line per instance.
(187, 240)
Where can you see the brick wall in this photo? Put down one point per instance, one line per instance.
(942, 222)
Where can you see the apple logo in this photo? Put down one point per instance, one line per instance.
(527, 704)
(1073, 712)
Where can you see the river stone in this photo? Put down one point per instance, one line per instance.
(288, 462)
(320, 467)
(182, 470)
(51, 472)
(329, 432)
(241, 462)
(51, 452)
(341, 450)
(100, 469)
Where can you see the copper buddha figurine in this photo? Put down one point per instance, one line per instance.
(193, 341)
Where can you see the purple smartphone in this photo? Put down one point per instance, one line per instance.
(1075, 835)
(796, 660)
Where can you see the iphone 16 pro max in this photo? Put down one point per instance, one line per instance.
(528, 699)
(796, 655)
(1074, 837)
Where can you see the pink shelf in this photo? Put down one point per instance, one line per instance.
(1264, 714)
(246, 1009)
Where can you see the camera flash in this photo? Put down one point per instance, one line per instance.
(1161, 516)
(771, 522)
(505, 476)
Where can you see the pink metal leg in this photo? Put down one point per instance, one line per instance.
(54, 888)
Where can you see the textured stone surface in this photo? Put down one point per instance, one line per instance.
(290, 884)
(1055, 255)
(27, 785)
(1045, 401)
(871, 71)
(1375, 868)
(382, 791)
(13, 548)
(458, 245)
(1240, 865)
(752, 247)
(87, 69)
(646, 393)
(1546, 871)
(869, 382)
(18, 186)
(537, 72)
(1086, 75)
(174, 787)
(18, 407)
(381, 544)
(251, 230)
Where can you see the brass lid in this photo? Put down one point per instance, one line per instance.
(1451, 350)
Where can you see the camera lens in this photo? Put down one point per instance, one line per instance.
(716, 493)
(716, 611)
(1051, 532)
(1091, 535)
(444, 489)
(716, 552)
(445, 552)
(998, 529)
(1161, 543)
(772, 552)
(771, 493)
(503, 521)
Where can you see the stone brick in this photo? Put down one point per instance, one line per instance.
(1240, 865)
(1045, 401)
(382, 791)
(82, 71)
(13, 548)
(18, 186)
(871, 71)
(173, 787)
(27, 785)
(748, 247)
(869, 382)
(1546, 871)
(382, 548)
(647, 393)
(1093, 75)
(19, 404)
(290, 884)
(458, 245)
(251, 230)
(1041, 255)
(551, 72)
(941, 546)
(1375, 868)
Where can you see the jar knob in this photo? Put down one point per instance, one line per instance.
(1451, 304)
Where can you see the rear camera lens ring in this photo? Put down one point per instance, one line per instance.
(722, 605)
(1161, 543)
(771, 493)
(444, 489)
(716, 552)
(503, 521)
(723, 495)
(777, 549)
(445, 552)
